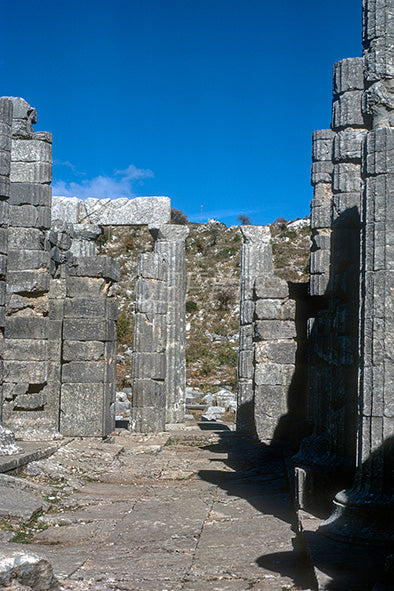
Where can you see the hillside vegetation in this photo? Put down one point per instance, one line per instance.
(213, 256)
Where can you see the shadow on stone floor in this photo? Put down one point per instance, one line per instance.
(258, 476)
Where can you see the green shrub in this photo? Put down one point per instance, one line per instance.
(191, 306)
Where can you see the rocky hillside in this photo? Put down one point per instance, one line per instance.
(213, 254)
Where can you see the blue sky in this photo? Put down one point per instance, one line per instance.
(211, 102)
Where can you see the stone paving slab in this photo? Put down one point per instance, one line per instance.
(188, 511)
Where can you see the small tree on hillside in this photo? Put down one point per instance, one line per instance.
(244, 220)
(178, 217)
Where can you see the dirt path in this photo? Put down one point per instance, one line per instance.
(194, 510)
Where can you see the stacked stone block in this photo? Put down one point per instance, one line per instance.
(26, 392)
(275, 347)
(149, 344)
(89, 348)
(256, 260)
(170, 244)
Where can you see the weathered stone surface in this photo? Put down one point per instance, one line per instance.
(88, 330)
(31, 151)
(346, 111)
(31, 172)
(348, 144)
(29, 194)
(27, 571)
(8, 446)
(83, 351)
(348, 75)
(102, 266)
(270, 286)
(271, 309)
(322, 144)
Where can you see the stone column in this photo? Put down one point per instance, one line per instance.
(365, 513)
(26, 377)
(170, 244)
(89, 348)
(7, 439)
(256, 260)
(149, 344)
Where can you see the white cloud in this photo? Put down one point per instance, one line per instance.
(119, 185)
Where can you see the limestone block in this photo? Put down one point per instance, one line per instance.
(69, 209)
(322, 195)
(151, 265)
(5, 138)
(94, 287)
(148, 419)
(275, 309)
(25, 239)
(320, 217)
(4, 187)
(6, 111)
(84, 307)
(18, 349)
(26, 304)
(22, 109)
(101, 266)
(26, 327)
(85, 329)
(270, 405)
(348, 75)
(246, 312)
(28, 216)
(319, 261)
(348, 144)
(246, 337)
(27, 259)
(149, 365)
(5, 163)
(29, 194)
(245, 364)
(80, 413)
(153, 211)
(83, 351)
(378, 18)
(379, 58)
(270, 286)
(346, 111)
(281, 351)
(28, 281)
(379, 152)
(31, 151)
(31, 172)
(346, 177)
(322, 143)
(148, 392)
(21, 569)
(34, 372)
(346, 210)
(321, 241)
(43, 136)
(273, 374)
(149, 334)
(321, 172)
(380, 198)
(3, 240)
(83, 372)
(111, 309)
(170, 232)
(22, 128)
(4, 214)
(267, 330)
(30, 401)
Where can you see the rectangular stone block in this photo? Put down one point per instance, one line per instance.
(348, 144)
(84, 307)
(346, 178)
(245, 364)
(5, 163)
(346, 210)
(151, 265)
(31, 151)
(148, 420)
(30, 401)
(319, 261)
(83, 372)
(26, 327)
(27, 259)
(270, 286)
(246, 312)
(273, 374)
(31, 172)
(149, 365)
(321, 172)
(270, 405)
(379, 152)
(85, 329)
(29, 216)
(28, 281)
(281, 352)
(377, 18)
(246, 337)
(348, 75)
(321, 240)
(81, 412)
(25, 239)
(4, 214)
(4, 187)
(322, 145)
(380, 198)
(19, 349)
(81, 351)
(346, 110)
(29, 194)
(87, 286)
(148, 392)
(320, 217)
(33, 372)
(149, 334)
(379, 58)
(3, 241)
(95, 266)
(267, 330)
(275, 309)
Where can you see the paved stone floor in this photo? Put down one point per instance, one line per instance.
(191, 510)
